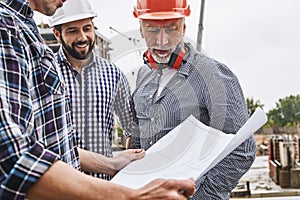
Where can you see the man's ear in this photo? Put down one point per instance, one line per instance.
(184, 28)
(56, 34)
(141, 31)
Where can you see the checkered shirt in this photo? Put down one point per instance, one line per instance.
(35, 121)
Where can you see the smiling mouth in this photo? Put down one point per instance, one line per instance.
(81, 45)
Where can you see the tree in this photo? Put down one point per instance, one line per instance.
(252, 105)
(286, 112)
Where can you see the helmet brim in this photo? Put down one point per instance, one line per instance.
(161, 15)
(65, 20)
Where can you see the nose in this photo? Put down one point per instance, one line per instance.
(81, 36)
(162, 37)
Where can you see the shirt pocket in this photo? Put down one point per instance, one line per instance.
(52, 82)
(45, 76)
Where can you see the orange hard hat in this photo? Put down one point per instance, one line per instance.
(161, 9)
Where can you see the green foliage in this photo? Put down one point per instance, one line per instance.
(286, 112)
(120, 131)
(252, 105)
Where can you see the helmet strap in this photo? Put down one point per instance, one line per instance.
(175, 60)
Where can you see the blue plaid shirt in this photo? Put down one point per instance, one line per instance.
(209, 91)
(35, 121)
(96, 94)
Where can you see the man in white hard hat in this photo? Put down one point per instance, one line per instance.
(177, 81)
(39, 156)
(98, 89)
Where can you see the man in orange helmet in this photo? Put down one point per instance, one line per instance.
(177, 81)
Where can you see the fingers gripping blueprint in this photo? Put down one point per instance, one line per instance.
(189, 150)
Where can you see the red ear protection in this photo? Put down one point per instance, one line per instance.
(175, 60)
(148, 59)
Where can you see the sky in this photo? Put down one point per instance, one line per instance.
(258, 40)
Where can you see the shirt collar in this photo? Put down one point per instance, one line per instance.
(185, 67)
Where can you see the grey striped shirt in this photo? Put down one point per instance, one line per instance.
(207, 90)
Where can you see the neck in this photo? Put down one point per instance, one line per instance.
(78, 64)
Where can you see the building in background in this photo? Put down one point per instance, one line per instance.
(284, 162)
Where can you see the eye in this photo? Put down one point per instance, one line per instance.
(170, 29)
(71, 30)
(87, 28)
(152, 29)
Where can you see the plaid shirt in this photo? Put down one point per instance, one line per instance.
(35, 121)
(207, 90)
(96, 94)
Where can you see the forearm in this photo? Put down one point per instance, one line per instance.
(63, 182)
(97, 163)
(93, 162)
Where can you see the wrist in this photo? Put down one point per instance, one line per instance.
(111, 167)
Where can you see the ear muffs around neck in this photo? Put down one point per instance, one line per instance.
(174, 62)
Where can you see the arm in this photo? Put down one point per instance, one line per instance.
(220, 180)
(128, 141)
(98, 163)
(134, 140)
(122, 104)
(228, 107)
(125, 111)
(24, 159)
(63, 182)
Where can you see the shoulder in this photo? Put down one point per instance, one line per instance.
(209, 66)
(8, 23)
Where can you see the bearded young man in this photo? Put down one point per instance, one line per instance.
(97, 88)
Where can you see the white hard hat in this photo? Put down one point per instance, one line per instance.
(72, 10)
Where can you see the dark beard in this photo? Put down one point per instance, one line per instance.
(75, 54)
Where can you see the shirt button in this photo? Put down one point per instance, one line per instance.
(150, 96)
(152, 119)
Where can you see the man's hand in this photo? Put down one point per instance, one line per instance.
(125, 157)
(168, 189)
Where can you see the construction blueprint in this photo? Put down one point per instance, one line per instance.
(189, 150)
